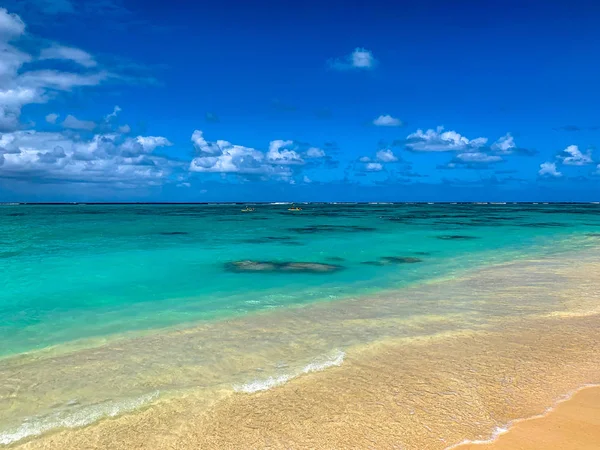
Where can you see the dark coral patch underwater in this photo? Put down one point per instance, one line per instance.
(250, 266)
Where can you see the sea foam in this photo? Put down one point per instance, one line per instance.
(316, 365)
(81, 417)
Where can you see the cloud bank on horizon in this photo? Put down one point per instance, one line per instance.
(51, 135)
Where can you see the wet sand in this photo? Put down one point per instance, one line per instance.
(572, 425)
(539, 339)
(428, 394)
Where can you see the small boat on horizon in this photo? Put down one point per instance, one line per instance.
(247, 209)
(294, 208)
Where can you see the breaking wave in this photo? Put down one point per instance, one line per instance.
(316, 365)
(80, 417)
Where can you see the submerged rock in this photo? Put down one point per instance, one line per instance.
(451, 237)
(173, 233)
(277, 266)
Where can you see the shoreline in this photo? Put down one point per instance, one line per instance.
(436, 382)
(572, 423)
(386, 395)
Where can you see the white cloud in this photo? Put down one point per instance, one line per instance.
(364, 159)
(124, 129)
(9, 119)
(52, 118)
(315, 152)
(76, 55)
(74, 123)
(150, 143)
(306, 180)
(374, 167)
(279, 154)
(20, 87)
(549, 169)
(505, 145)
(386, 156)
(360, 58)
(11, 25)
(387, 121)
(225, 157)
(478, 157)
(59, 157)
(62, 81)
(572, 156)
(439, 140)
(18, 96)
(115, 113)
(10, 63)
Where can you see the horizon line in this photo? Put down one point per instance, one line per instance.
(496, 203)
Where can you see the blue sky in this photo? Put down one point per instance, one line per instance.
(109, 100)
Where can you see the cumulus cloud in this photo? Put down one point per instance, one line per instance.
(62, 52)
(314, 152)
(224, 157)
(387, 121)
(572, 156)
(52, 118)
(74, 123)
(360, 59)
(124, 129)
(105, 158)
(374, 167)
(548, 169)
(203, 146)
(11, 25)
(505, 145)
(279, 153)
(386, 156)
(439, 140)
(377, 164)
(306, 180)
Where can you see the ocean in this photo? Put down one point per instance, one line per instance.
(109, 309)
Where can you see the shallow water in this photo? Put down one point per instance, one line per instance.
(71, 272)
(98, 272)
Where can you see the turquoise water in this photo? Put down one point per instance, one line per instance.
(140, 303)
(81, 271)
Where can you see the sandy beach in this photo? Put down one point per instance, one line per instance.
(423, 394)
(572, 425)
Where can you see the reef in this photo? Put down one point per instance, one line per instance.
(249, 266)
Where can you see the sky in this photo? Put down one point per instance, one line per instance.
(110, 100)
